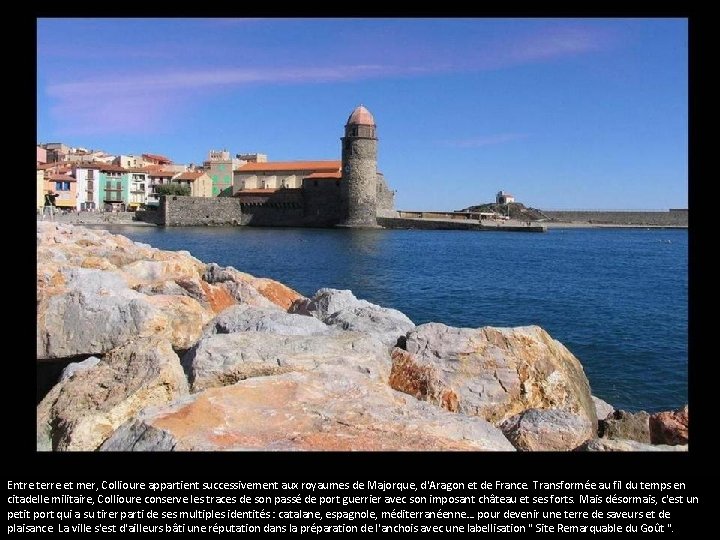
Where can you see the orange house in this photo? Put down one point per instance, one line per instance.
(66, 188)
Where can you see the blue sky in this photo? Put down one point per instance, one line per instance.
(563, 113)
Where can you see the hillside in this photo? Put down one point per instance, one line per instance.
(517, 211)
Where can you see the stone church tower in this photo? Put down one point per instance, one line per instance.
(358, 187)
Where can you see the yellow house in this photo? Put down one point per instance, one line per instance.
(200, 183)
(65, 186)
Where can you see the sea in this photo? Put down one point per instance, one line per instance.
(617, 298)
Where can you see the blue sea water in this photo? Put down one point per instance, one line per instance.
(617, 298)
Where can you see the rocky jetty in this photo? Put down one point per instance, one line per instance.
(166, 352)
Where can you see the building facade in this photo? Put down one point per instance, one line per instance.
(200, 183)
(503, 197)
(155, 180)
(137, 188)
(65, 186)
(279, 174)
(115, 187)
(88, 186)
(219, 167)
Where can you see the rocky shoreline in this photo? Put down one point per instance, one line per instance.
(178, 354)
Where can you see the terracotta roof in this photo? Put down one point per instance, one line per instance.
(157, 157)
(112, 168)
(65, 177)
(162, 173)
(89, 165)
(361, 116)
(189, 176)
(45, 166)
(325, 165)
(137, 169)
(325, 175)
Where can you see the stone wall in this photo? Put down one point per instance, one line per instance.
(283, 208)
(152, 215)
(385, 197)
(180, 211)
(453, 225)
(316, 205)
(673, 218)
(323, 203)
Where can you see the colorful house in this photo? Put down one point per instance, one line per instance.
(283, 174)
(220, 169)
(114, 187)
(89, 190)
(157, 178)
(138, 188)
(65, 186)
(200, 183)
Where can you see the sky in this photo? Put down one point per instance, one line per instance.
(562, 113)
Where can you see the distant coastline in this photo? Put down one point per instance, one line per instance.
(555, 219)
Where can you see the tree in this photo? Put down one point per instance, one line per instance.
(173, 189)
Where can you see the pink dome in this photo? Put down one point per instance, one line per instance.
(361, 116)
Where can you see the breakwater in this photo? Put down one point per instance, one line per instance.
(670, 218)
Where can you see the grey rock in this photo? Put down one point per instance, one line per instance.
(342, 309)
(602, 408)
(77, 367)
(244, 318)
(493, 373)
(327, 301)
(331, 408)
(625, 445)
(547, 430)
(626, 425)
(81, 411)
(237, 285)
(137, 436)
(95, 314)
(222, 359)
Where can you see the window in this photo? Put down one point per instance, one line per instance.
(62, 186)
(118, 185)
(214, 177)
(226, 178)
(221, 167)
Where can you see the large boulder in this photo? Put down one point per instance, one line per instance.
(97, 312)
(223, 359)
(489, 372)
(626, 445)
(330, 408)
(547, 430)
(342, 309)
(245, 318)
(626, 425)
(98, 291)
(669, 427)
(89, 403)
(247, 289)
